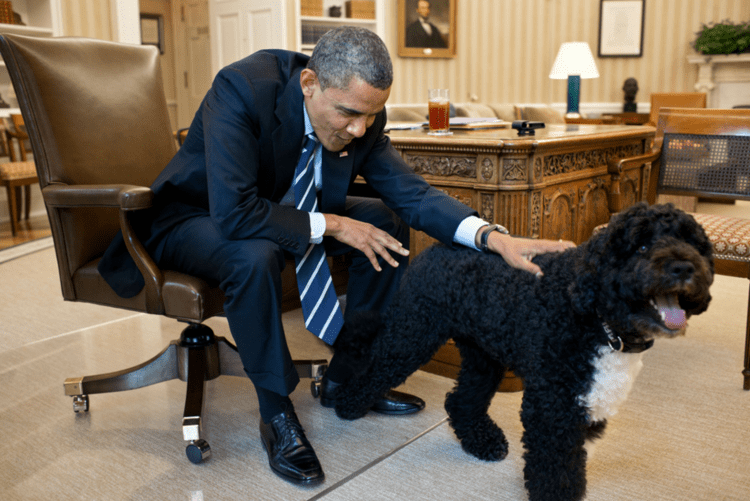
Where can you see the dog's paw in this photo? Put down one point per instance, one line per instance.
(349, 412)
(487, 442)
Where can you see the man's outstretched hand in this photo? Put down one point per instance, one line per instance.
(365, 237)
(518, 252)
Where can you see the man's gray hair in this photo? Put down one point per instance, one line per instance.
(347, 52)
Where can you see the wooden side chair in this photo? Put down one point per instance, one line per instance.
(18, 174)
(674, 100)
(706, 153)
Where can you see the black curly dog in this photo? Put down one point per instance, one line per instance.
(574, 336)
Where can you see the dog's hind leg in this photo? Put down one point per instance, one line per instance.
(469, 401)
(393, 360)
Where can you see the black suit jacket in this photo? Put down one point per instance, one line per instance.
(416, 36)
(238, 161)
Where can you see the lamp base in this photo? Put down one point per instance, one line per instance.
(574, 92)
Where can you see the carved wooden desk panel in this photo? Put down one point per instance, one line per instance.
(553, 185)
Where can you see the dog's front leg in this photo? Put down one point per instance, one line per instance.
(469, 401)
(555, 430)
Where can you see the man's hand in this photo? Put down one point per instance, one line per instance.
(518, 252)
(364, 237)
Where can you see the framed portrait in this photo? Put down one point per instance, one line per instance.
(621, 28)
(427, 28)
(152, 30)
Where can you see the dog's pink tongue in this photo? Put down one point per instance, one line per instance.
(671, 313)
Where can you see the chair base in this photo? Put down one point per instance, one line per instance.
(198, 356)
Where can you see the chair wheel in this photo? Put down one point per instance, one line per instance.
(197, 451)
(80, 403)
(315, 387)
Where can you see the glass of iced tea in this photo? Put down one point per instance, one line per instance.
(438, 102)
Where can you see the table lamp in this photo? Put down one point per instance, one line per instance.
(574, 61)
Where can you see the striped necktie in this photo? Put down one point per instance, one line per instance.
(320, 305)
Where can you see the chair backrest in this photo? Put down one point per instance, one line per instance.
(704, 152)
(674, 100)
(96, 114)
(19, 134)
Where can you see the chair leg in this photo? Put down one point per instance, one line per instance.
(163, 367)
(746, 370)
(13, 209)
(197, 449)
(198, 356)
(27, 201)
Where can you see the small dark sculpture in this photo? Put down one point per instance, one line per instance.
(630, 87)
(335, 11)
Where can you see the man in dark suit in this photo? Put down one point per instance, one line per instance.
(422, 33)
(225, 209)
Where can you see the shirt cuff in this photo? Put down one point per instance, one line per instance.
(467, 231)
(317, 227)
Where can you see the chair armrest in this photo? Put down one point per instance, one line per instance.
(617, 165)
(125, 197)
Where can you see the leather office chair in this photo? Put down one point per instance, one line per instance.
(97, 119)
(703, 152)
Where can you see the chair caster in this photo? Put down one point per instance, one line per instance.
(80, 403)
(315, 387)
(197, 451)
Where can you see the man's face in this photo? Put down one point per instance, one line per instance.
(340, 115)
(423, 8)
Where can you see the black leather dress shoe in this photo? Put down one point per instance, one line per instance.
(393, 402)
(289, 453)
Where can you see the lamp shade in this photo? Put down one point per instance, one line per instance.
(574, 58)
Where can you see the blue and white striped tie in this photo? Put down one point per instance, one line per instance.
(320, 305)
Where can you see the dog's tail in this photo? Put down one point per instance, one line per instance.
(356, 338)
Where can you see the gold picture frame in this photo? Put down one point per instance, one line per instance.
(415, 41)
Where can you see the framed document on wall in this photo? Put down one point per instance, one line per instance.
(621, 28)
(427, 28)
(152, 30)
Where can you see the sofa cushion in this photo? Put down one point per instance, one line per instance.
(541, 113)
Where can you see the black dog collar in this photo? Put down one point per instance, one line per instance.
(617, 344)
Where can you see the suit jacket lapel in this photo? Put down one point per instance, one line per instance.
(287, 137)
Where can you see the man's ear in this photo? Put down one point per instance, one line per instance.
(308, 80)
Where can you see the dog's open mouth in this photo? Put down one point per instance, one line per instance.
(672, 316)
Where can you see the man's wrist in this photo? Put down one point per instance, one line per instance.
(485, 236)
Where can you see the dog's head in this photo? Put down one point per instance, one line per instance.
(646, 273)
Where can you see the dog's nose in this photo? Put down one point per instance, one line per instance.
(682, 270)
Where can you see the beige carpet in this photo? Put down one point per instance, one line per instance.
(684, 434)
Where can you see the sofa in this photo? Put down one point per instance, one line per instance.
(507, 112)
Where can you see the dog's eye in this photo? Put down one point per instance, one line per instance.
(643, 249)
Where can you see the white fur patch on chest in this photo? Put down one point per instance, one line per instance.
(613, 378)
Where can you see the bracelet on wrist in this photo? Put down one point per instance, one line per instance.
(484, 239)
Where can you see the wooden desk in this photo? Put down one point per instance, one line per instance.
(553, 185)
(630, 118)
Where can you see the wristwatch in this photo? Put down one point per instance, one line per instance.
(486, 236)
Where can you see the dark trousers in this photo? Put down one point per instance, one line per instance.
(249, 274)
